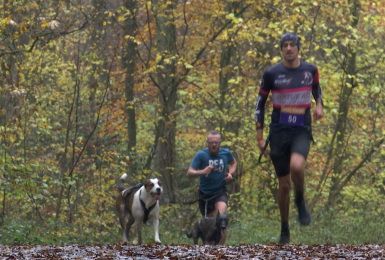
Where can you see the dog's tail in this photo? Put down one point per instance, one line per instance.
(120, 184)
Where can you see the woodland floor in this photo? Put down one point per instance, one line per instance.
(122, 251)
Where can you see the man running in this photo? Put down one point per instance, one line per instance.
(215, 166)
(292, 82)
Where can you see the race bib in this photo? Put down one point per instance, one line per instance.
(291, 119)
(292, 116)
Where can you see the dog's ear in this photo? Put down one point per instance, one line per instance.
(126, 192)
(148, 185)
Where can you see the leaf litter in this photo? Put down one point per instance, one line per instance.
(257, 251)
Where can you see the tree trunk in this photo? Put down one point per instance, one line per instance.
(129, 62)
(229, 61)
(341, 128)
(164, 161)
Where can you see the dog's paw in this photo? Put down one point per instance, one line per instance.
(157, 241)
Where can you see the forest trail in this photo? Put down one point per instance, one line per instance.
(257, 251)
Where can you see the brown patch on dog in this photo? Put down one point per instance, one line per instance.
(148, 185)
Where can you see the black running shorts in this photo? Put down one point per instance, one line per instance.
(211, 200)
(287, 140)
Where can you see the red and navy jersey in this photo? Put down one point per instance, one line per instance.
(291, 90)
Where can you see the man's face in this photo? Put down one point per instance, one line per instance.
(289, 51)
(213, 143)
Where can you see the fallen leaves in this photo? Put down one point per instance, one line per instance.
(122, 251)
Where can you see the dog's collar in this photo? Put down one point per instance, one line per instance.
(145, 210)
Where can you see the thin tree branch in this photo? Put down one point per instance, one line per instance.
(41, 36)
(186, 27)
(108, 85)
(366, 158)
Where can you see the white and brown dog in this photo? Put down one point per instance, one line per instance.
(138, 205)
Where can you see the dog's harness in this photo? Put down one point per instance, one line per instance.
(145, 210)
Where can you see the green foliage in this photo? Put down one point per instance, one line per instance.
(63, 121)
(331, 227)
(23, 231)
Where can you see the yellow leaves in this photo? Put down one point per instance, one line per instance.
(224, 36)
(158, 58)
(334, 111)
(130, 38)
(234, 19)
(44, 24)
(11, 138)
(234, 80)
(258, 38)
(167, 60)
(121, 18)
(251, 54)
(276, 59)
(376, 89)
(149, 4)
(3, 23)
(7, 22)
(122, 15)
(188, 66)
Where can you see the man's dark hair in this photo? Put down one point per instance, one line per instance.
(290, 36)
(214, 132)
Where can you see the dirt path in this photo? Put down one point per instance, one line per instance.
(194, 252)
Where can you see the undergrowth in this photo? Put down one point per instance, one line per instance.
(333, 227)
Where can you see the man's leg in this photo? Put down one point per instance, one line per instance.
(297, 168)
(283, 203)
(221, 207)
(280, 156)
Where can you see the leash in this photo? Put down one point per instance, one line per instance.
(267, 141)
(210, 198)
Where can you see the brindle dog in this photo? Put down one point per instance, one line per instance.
(211, 230)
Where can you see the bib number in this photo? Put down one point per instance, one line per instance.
(291, 119)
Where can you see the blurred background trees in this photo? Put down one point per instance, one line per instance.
(90, 89)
